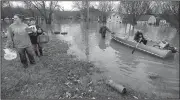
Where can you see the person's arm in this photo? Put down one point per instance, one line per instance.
(10, 42)
(108, 29)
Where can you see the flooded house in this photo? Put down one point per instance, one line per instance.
(65, 15)
(94, 14)
(146, 19)
(114, 18)
(162, 22)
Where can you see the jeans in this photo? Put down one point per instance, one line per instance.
(40, 46)
(30, 53)
(38, 49)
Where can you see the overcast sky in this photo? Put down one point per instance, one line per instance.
(67, 5)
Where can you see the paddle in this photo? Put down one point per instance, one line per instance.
(136, 46)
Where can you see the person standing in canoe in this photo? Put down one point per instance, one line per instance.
(18, 38)
(103, 30)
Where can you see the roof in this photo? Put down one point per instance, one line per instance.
(126, 18)
(144, 17)
(66, 13)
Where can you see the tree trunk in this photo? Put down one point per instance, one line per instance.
(132, 30)
(129, 31)
(86, 29)
(125, 28)
(50, 18)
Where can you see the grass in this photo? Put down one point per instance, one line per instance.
(55, 76)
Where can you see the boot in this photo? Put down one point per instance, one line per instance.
(41, 52)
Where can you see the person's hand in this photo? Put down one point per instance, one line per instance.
(44, 33)
(33, 28)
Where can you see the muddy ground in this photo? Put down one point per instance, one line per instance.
(57, 75)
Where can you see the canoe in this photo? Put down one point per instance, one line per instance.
(145, 48)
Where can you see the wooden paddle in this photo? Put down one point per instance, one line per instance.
(136, 46)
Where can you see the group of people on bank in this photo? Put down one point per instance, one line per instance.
(23, 37)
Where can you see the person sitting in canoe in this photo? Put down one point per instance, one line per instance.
(103, 30)
(166, 46)
(140, 38)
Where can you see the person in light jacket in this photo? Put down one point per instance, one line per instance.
(18, 38)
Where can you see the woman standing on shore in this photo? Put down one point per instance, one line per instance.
(33, 37)
(18, 38)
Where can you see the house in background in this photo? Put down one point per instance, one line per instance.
(63, 15)
(114, 18)
(147, 19)
(161, 22)
(94, 14)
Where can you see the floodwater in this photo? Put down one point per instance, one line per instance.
(140, 71)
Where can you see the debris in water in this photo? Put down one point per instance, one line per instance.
(56, 32)
(153, 75)
(116, 86)
(64, 33)
(93, 98)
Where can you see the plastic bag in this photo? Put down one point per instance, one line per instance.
(10, 54)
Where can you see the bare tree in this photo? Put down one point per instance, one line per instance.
(8, 6)
(45, 8)
(79, 5)
(104, 7)
(168, 10)
(133, 10)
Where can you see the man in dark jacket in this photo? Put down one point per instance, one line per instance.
(103, 30)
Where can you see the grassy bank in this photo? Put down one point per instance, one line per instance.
(55, 76)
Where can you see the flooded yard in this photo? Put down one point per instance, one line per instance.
(140, 71)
